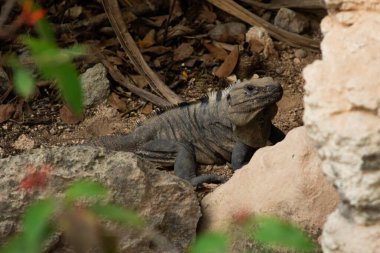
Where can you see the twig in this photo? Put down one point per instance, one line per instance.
(127, 82)
(243, 14)
(169, 18)
(91, 22)
(5, 11)
(112, 10)
(277, 4)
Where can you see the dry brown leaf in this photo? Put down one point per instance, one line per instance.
(216, 52)
(207, 16)
(157, 50)
(117, 103)
(115, 60)
(68, 116)
(148, 108)
(6, 112)
(229, 64)
(148, 40)
(185, 50)
(158, 20)
(140, 81)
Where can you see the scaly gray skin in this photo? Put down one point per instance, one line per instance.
(227, 126)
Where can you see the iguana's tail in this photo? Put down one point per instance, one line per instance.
(113, 142)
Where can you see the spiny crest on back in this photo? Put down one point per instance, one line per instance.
(213, 97)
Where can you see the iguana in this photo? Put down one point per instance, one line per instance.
(227, 126)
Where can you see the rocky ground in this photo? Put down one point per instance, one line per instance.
(192, 48)
(41, 121)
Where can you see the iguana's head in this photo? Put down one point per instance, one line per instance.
(248, 98)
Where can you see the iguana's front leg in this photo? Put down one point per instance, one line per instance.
(183, 155)
(241, 154)
(276, 135)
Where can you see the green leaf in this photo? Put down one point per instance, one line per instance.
(210, 243)
(14, 245)
(118, 214)
(36, 224)
(56, 65)
(86, 189)
(44, 30)
(41, 48)
(273, 231)
(23, 81)
(70, 86)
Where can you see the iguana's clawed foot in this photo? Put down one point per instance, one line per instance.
(208, 178)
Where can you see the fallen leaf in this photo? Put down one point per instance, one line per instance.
(68, 116)
(74, 12)
(185, 50)
(207, 16)
(217, 52)
(148, 108)
(229, 64)
(157, 50)
(148, 40)
(117, 103)
(158, 20)
(140, 81)
(6, 112)
(115, 60)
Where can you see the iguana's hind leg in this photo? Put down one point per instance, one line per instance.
(183, 155)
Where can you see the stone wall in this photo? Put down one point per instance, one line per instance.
(342, 116)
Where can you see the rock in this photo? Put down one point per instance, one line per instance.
(365, 239)
(232, 32)
(167, 202)
(259, 41)
(300, 53)
(342, 117)
(284, 180)
(291, 21)
(95, 85)
(2, 152)
(23, 142)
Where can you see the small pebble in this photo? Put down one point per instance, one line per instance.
(297, 61)
(300, 53)
(279, 70)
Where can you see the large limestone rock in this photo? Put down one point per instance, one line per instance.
(342, 116)
(168, 203)
(284, 180)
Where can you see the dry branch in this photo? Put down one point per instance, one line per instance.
(112, 10)
(127, 82)
(243, 14)
(277, 4)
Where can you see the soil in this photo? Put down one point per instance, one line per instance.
(39, 123)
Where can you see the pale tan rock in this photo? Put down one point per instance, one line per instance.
(260, 42)
(285, 180)
(23, 142)
(342, 235)
(342, 111)
(342, 117)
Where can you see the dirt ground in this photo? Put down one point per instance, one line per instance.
(39, 124)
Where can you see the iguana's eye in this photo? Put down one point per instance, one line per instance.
(249, 88)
